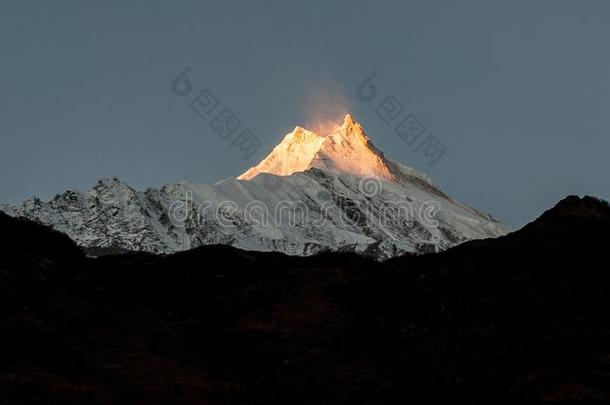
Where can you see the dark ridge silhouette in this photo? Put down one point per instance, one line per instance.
(24, 240)
(522, 317)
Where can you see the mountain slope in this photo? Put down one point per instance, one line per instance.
(312, 193)
(524, 317)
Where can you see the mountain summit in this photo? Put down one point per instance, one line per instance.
(314, 192)
(345, 150)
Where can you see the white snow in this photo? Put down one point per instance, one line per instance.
(346, 150)
(309, 190)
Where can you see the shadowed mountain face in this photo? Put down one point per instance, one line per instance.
(525, 316)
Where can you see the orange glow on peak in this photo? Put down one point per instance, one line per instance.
(325, 127)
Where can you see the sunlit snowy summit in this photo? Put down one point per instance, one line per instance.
(314, 192)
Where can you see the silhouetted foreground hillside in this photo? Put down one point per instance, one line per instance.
(526, 316)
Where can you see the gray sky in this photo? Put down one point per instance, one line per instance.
(518, 92)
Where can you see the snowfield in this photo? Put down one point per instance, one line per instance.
(313, 192)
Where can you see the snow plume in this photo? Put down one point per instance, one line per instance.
(324, 107)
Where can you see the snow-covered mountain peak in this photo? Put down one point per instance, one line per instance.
(350, 126)
(348, 150)
(345, 150)
(310, 194)
(293, 154)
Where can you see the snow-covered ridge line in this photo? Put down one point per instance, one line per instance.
(353, 197)
(346, 150)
